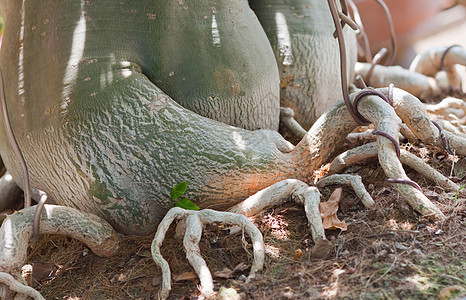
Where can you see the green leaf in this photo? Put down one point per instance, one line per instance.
(178, 190)
(458, 191)
(186, 204)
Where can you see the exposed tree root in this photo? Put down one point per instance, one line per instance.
(415, 116)
(280, 193)
(368, 151)
(385, 120)
(453, 126)
(437, 59)
(17, 287)
(448, 106)
(287, 119)
(16, 232)
(419, 85)
(195, 221)
(353, 180)
(420, 80)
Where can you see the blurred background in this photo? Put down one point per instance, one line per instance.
(418, 24)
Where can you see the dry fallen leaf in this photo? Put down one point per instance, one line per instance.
(297, 254)
(447, 292)
(186, 276)
(225, 273)
(241, 267)
(328, 211)
(321, 249)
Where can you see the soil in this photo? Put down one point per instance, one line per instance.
(388, 251)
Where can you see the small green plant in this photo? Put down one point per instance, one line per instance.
(178, 192)
(458, 191)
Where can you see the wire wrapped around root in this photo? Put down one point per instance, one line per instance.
(437, 59)
(420, 85)
(414, 114)
(382, 115)
(195, 221)
(16, 231)
(368, 151)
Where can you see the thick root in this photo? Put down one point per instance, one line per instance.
(195, 221)
(417, 84)
(385, 120)
(368, 151)
(287, 119)
(282, 192)
(414, 115)
(436, 59)
(16, 232)
(353, 180)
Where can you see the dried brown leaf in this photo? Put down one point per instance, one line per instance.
(186, 276)
(225, 273)
(328, 211)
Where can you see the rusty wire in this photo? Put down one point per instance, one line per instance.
(37, 213)
(343, 64)
(22, 163)
(405, 181)
(366, 48)
(391, 28)
(444, 54)
(443, 137)
(14, 144)
(375, 61)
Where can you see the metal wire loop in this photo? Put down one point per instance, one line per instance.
(391, 138)
(444, 54)
(405, 181)
(443, 137)
(359, 97)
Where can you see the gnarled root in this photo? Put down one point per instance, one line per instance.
(448, 106)
(420, 79)
(417, 84)
(194, 224)
(386, 121)
(16, 232)
(274, 195)
(281, 192)
(353, 180)
(368, 151)
(436, 59)
(414, 115)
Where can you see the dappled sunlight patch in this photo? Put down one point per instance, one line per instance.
(272, 251)
(277, 226)
(392, 224)
(420, 283)
(332, 290)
